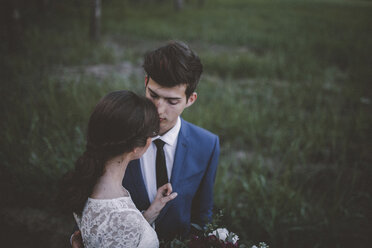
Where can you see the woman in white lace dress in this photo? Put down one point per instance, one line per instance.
(119, 130)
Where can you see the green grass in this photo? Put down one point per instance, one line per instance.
(286, 87)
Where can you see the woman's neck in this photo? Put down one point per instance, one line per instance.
(109, 185)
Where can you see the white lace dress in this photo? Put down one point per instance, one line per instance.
(115, 223)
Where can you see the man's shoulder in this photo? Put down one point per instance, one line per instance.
(193, 130)
(201, 143)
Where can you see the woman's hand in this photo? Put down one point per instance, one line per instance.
(163, 196)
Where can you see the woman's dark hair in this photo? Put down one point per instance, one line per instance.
(120, 122)
(174, 64)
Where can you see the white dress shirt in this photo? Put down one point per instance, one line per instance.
(148, 159)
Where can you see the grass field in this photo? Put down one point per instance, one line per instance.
(286, 86)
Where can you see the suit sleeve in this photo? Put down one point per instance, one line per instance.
(202, 204)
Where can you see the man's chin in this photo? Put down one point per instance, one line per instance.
(161, 132)
(163, 129)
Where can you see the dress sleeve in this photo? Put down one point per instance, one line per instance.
(124, 229)
(77, 219)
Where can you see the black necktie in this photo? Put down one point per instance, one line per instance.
(161, 168)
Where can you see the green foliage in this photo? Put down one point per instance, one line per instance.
(286, 87)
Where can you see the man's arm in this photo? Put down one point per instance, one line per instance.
(202, 206)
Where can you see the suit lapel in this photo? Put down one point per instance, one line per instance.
(178, 164)
(179, 159)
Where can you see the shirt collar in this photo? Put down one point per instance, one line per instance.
(170, 137)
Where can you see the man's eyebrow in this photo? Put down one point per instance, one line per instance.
(167, 98)
(153, 92)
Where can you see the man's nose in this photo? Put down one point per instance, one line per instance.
(160, 104)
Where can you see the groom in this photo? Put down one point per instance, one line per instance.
(188, 153)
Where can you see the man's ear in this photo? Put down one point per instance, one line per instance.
(146, 80)
(192, 99)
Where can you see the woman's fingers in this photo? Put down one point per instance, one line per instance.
(165, 190)
(165, 193)
(168, 198)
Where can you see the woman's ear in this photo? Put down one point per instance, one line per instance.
(135, 150)
(133, 154)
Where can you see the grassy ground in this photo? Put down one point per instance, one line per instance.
(286, 87)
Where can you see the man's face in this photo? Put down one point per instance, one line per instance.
(170, 103)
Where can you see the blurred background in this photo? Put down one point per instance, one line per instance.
(286, 86)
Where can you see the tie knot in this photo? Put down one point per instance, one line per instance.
(159, 143)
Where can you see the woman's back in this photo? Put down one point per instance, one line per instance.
(115, 223)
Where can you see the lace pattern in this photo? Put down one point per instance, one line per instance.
(115, 223)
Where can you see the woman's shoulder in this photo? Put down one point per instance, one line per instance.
(98, 206)
(123, 226)
(119, 210)
(127, 219)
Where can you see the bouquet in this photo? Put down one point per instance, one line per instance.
(219, 238)
(212, 236)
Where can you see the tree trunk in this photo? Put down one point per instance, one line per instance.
(95, 21)
(178, 4)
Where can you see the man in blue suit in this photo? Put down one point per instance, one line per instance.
(173, 72)
(191, 153)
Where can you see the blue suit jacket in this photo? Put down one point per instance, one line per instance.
(193, 175)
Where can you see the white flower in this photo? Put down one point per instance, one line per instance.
(261, 245)
(234, 237)
(223, 234)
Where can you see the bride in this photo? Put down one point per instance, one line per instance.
(119, 130)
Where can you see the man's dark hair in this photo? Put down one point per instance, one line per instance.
(174, 64)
